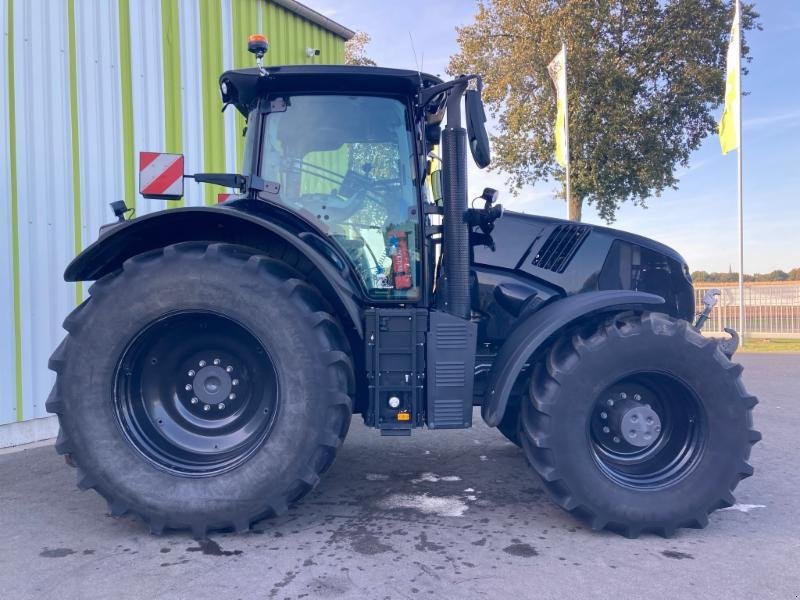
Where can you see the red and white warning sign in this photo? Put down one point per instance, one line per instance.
(161, 175)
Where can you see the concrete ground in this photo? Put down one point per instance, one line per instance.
(438, 515)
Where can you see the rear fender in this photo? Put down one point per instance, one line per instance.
(538, 328)
(216, 224)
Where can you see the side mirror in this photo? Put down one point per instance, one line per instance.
(476, 129)
(436, 185)
(161, 175)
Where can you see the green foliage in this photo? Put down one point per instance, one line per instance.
(777, 275)
(643, 75)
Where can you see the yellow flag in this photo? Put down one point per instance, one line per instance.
(729, 124)
(558, 72)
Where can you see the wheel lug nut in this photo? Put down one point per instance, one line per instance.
(188, 387)
(229, 369)
(235, 382)
(221, 406)
(616, 440)
(194, 400)
(610, 402)
(191, 373)
(623, 395)
(637, 397)
(206, 407)
(217, 361)
(606, 430)
(231, 396)
(202, 363)
(604, 415)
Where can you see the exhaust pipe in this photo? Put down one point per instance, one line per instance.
(454, 192)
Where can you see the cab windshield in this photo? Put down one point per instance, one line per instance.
(347, 163)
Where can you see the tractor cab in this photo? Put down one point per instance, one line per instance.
(349, 149)
(348, 159)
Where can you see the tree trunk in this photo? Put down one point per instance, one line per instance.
(575, 208)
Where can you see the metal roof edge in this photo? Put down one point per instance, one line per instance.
(316, 18)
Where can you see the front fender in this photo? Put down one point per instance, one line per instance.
(213, 224)
(535, 330)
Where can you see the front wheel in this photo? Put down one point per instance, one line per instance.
(202, 387)
(642, 425)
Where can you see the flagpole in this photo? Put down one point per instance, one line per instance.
(740, 203)
(566, 126)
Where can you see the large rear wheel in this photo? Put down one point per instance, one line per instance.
(642, 425)
(202, 387)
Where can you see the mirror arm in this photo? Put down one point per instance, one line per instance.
(429, 93)
(240, 182)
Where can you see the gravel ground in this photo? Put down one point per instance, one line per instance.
(439, 515)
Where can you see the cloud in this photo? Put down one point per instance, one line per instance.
(786, 119)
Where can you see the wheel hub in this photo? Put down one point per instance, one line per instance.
(627, 418)
(640, 426)
(212, 385)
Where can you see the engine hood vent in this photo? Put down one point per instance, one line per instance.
(560, 247)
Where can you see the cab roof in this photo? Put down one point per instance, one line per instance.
(242, 87)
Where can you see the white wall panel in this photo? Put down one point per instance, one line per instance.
(227, 64)
(99, 111)
(44, 180)
(8, 388)
(191, 98)
(147, 87)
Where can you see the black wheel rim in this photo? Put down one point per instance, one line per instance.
(647, 431)
(196, 393)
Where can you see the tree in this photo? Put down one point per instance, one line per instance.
(355, 50)
(731, 277)
(643, 75)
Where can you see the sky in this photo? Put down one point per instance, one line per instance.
(699, 219)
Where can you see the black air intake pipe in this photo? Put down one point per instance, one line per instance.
(456, 230)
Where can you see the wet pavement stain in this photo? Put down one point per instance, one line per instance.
(480, 542)
(172, 564)
(88, 551)
(211, 548)
(328, 586)
(676, 555)
(165, 550)
(288, 578)
(424, 545)
(521, 549)
(369, 544)
(56, 552)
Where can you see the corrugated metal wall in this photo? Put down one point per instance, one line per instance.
(86, 85)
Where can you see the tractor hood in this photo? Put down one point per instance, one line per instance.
(578, 257)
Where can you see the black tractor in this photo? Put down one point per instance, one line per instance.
(210, 378)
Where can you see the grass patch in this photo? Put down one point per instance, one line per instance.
(771, 345)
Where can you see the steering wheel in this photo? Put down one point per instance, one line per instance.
(353, 190)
